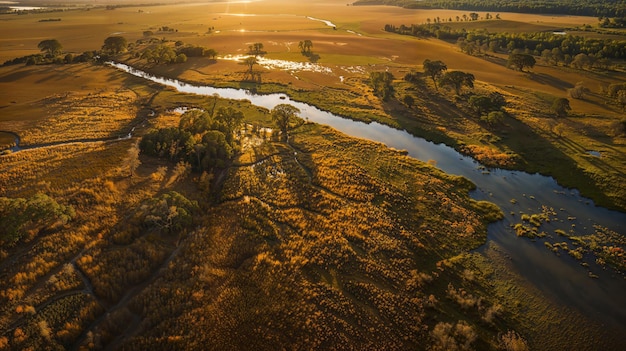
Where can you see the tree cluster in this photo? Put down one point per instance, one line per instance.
(52, 52)
(457, 80)
(206, 142)
(114, 45)
(593, 8)
(562, 47)
(256, 49)
(615, 22)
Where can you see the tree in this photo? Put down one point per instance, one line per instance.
(210, 53)
(282, 114)
(381, 82)
(434, 69)
(230, 118)
(50, 46)
(305, 46)
(171, 212)
(560, 107)
(578, 91)
(521, 60)
(132, 161)
(256, 48)
(115, 45)
(581, 61)
(249, 61)
(480, 103)
(486, 103)
(457, 80)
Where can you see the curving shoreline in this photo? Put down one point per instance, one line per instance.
(16, 144)
(513, 191)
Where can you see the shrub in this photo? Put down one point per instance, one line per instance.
(512, 341)
(493, 118)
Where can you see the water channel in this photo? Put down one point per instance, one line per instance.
(560, 278)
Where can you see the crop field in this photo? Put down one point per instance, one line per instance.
(135, 216)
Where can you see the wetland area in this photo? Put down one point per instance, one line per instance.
(270, 175)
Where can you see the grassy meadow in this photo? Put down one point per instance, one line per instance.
(320, 242)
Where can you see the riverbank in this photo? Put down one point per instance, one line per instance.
(526, 139)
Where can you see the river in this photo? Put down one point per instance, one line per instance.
(560, 278)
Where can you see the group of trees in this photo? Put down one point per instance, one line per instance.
(488, 107)
(203, 140)
(256, 49)
(52, 52)
(615, 22)
(457, 80)
(437, 71)
(163, 53)
(593, 8)
(473, 16)
(561, 48)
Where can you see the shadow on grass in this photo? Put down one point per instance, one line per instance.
(540, 155)
(547, 79)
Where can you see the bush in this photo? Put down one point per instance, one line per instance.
(493, 118)
(181, 58)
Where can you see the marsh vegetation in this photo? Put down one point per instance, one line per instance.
(134, 216)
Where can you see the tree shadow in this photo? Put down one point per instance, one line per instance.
(313, 57)
(547, 79)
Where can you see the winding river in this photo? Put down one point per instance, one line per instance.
(560, 278)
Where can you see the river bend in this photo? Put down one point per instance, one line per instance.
(561, 278)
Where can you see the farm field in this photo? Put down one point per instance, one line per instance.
(134, 215)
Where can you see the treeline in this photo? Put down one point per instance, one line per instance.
(163, 53)
(616, 22)
(40, 59)
(204, 141)
(596, 8)
(158, 52)
(535, 43)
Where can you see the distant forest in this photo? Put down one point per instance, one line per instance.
(597, 8)
(565, 46)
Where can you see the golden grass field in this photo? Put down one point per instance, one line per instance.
(325, 236)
